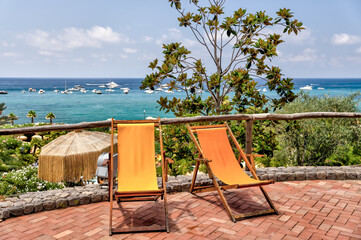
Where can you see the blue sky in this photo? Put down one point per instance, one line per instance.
(112, 38)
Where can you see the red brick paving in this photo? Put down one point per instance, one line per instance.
(308, 210)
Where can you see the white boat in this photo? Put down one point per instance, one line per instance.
(168, 91)
(112, 85)
(41, 91)
(125, 90)
(159, 89)
(320, 88)
(102, 86)
(94, 90)
(149, 91)
(110, 90)
(32, 90)
(307, 87)
(83, 90)
(62, 92)
(150, 118)
(23, 91)
(56, 90)
(98, 92)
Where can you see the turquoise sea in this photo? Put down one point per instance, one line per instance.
(88, 107)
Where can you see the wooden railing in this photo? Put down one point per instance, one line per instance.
(250, 118)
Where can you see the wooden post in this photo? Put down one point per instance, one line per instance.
(249, 133)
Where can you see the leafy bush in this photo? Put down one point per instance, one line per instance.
(24, 180)
(315, 142)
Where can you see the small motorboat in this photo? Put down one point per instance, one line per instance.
(56, 90)
(41, 91)
(3, 92)
(149, 91)
(98, 92)
(307, 87)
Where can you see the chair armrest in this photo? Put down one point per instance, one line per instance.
(255, 155)
(169, 160)
(202, 160)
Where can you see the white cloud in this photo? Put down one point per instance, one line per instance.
(103, 34)
(78, 60)
(344, 38)
(11, 54)
(358, 50)
(146, 57)
(148, 38)
(6, 44)
(130, 50)
(308, 55)
(175, 35)
(123, 56)
(72, 38)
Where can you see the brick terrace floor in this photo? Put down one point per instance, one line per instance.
(308, 210)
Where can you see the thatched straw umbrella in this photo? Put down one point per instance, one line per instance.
(73, 155)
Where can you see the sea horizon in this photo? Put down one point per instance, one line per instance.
(88, 107)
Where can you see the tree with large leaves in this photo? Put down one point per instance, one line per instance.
(240, 46)
(50, 116)
(32, 115)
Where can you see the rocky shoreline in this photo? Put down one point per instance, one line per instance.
(34, 202)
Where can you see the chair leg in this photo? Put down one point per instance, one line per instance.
(221, 195)
(166, 212)
(194, 177)
(268, 199)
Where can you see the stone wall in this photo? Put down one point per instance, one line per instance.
(33, 202)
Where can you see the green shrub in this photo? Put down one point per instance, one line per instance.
(316, 142)
(24, 180)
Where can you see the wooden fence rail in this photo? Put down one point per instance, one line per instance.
(166, 121)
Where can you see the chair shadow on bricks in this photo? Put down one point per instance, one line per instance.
(138, 214)
(239, 200)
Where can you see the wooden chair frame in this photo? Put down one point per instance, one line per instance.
(138, 195)
(250, 165)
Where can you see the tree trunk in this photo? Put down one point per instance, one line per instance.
(32, 120)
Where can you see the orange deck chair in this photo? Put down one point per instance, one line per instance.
(216, 153)
(137, 179)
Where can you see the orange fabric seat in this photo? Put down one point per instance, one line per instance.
(137, 175)
(215, 151)
(136, 154)
(216, 147)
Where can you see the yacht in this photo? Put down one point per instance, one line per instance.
(83, 90)
(159, 89)
(94, 90)
(149, 91)
(102, 86)
(112, 85)
(32, 90)
(3, 92)
(98, 92)
(56, 90)
(23, 91)
(168, 91)
(307, 87)
(41, 91)
(125, 90)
